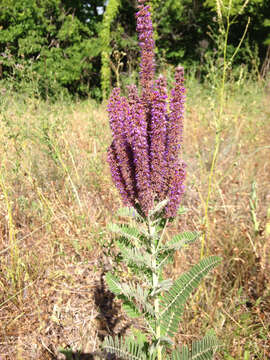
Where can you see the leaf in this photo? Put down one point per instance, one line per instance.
(165, 340)
(129, 292)
(113, 283)
(170, 324)
(131, 310)
(136, 256)
(201, 350)
(172, 303)
(180, 240)
(159, 207)
(129, 212)
(139, 296)
(127, 349)
(204, 349)
(126, 231)
(164, 285)
(185, 284)
(182, 210)
(182, 354)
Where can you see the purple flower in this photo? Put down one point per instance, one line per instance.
(147, 44)
(118, 111)
(175, 118)
(175, 170)
(158, 137)
(139, 143)
(117, 176)
(144, 154)
(176, 190)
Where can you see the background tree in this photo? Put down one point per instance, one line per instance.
(45, 42)
(105, 38)
(51, 45)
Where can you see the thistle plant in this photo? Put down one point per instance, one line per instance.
(146, 168)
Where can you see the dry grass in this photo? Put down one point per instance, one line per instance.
(56, 198)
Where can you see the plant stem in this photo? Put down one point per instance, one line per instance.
(155, 279)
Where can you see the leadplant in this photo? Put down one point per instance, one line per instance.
(157, 302)
(145, 165)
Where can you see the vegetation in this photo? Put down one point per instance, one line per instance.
(53, 46)
(58, 199)
(56, 195)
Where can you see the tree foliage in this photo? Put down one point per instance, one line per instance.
(49, 39)
(56, 44)
(105, 38)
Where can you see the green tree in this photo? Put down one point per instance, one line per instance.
(47, 43)
(105, 38)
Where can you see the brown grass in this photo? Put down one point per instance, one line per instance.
(57, 197)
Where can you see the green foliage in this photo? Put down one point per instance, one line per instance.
(172, 303)
(170, 17)
(158, 302)
(51, 47)
(201, 350)
(266, 24)
(47, 45)
(127, 349)
(235, 5)
(105, 38)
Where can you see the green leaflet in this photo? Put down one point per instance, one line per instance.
(128, 349)
(201, 350)
(136, 256)
(130, 292)
(129, 212)
(131, 310)
(164, 285)
(158, 208)
(114, 284)
(125, 349)
(170, 323)
(180, 240)
(182, 354)
(173, 301)
(204, 349)
(126, 231)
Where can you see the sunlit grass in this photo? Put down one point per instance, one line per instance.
(57, 197)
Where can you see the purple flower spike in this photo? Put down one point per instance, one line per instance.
(144, 155)
(118, 111)
(117, 176)
(147, 44)
(175, 119)
(140, 147)
(176, 190)
(158, 137)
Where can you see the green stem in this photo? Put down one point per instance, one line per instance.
(155, 279)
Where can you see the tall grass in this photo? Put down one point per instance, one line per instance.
(225, 22)
(54, 251)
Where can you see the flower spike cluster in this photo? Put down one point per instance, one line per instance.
(147, 132)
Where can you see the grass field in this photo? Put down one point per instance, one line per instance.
(56, 198)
